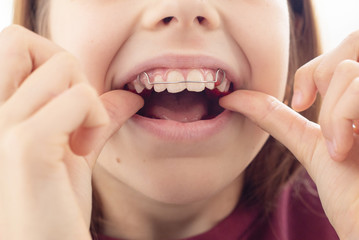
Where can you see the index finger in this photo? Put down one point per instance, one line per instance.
(317, 74)
(21, 52)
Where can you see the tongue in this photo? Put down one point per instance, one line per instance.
(181, 107)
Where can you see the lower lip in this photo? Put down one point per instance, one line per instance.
(175, 131)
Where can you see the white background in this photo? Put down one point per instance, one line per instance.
(337, 18)
(5, 13)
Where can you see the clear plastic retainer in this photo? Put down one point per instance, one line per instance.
(220, 77)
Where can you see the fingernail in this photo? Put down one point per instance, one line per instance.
(297, 98)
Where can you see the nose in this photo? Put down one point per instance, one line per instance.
(180, 13)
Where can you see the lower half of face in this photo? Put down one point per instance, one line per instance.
(181, 171)
(182, 146)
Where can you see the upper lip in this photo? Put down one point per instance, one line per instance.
(175, 62)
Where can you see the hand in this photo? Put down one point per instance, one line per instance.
(329, 151)
(53, 125)
(335, 75)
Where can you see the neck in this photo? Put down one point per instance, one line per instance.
(128, 214)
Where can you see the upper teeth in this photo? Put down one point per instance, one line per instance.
(194, 77)
(175, 81)
(175, 76)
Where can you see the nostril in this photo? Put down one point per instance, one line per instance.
(200, 19)
(167, 20)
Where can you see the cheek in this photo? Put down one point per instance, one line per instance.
(89, 35)
(269, 60)
(263, 35)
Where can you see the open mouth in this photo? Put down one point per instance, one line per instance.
(181, 95)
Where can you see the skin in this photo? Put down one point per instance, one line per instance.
(151, 199)
(161, 200)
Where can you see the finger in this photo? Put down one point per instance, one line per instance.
(304, 89)
(344, 73)
(21, 51)
(344, 112)
(41, 86)
(284, 124)
(320, 71)
(77, 107)
(120, 106)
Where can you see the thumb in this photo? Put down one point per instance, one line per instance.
(120, 105)
(294, 131)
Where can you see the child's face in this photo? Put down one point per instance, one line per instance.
(117, 39)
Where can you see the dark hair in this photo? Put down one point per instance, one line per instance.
(274, 165)
(28, 14)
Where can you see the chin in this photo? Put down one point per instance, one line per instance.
(181, 185)
(180, 172)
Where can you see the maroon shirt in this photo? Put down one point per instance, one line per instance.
(298, 216)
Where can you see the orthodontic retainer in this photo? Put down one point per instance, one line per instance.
(216, 80)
